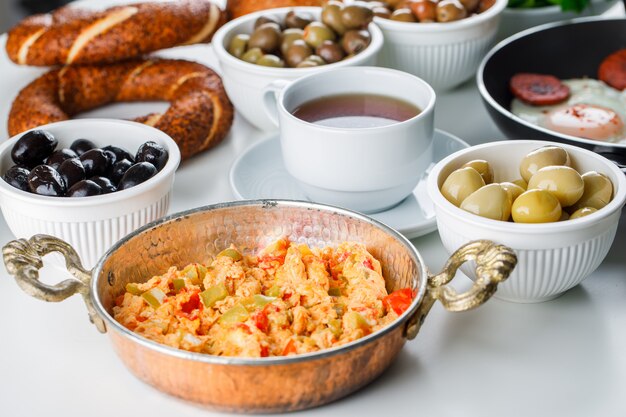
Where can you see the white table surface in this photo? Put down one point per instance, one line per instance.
(565, 357)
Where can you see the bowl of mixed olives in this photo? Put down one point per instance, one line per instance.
(440, 41)
(271, 47)
(556, 205)
(89, 181)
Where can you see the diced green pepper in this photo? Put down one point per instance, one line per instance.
(335, 327)
(257, 301)
(133, 289)
(231, 253)
(274, 291)
(355, 320)
(154, 297)
(213, 294)
(334, 291)
(195, 273)
(179, 284)
(236, 314)
(340, 308)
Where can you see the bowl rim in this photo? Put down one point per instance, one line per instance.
(536, 229)
(226, 58)
(86, 202)
(485, 94)
(113, 324)
(437, 27)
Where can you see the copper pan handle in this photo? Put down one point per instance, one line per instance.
(23, 260)
(494, 264)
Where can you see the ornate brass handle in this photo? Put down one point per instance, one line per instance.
(494, 264)
(23, 260)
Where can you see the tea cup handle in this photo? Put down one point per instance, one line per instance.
(270, 99)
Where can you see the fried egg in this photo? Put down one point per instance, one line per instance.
(593, 111)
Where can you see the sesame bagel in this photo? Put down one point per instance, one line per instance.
(199, 116)
(237, 8)
(72, 35)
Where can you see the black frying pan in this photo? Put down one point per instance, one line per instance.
(571, 49)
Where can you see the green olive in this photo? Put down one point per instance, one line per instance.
(564, 182)
(542, 157)
(331, 16)
(356, 16)
(330, 51)
(536, 206)
(598, 191)
(383, 12)
(355, 41)
(483, 168)
(270, 60)
(460, 184)
(267, 37)
(564, 216)
(317, 59)
(520, 182)
(289, 36)
(403, 15)
(252, 55)
(297, 52)
(424, 10)
(582, 212)
(297, 20)
(450, 10)
(238, 45)
(514, 190)
(490, 201)
(308, 64)
(267, 19)
(316, 33)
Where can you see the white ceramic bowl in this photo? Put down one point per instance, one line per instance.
(516, 20)
(91, 224)
(552, 257)
(247, 83)
(442, 54)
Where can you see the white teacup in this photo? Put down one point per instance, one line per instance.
(364, 169)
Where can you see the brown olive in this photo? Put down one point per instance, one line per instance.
(383, 12)
(270, 60)
(564, 216)
(297, 52)
(542, 157)
(564, 182)
(536, 206)
(331, 16)
(514, 190)
(330, 52)
(490, 201)
(316, 33)
(356, 16)
(266, 37)
(460, 184)
(238, 45)
(582, 212)
(483, 168)
(297, 20)
(470, 5)
(450, 10)
(484, 5)
(598, 191)
(424, 10)
(308, 64)
(252, 55)
(290, 35)
(267, 19)
(354, 41)
(317, 59)
(403, 15)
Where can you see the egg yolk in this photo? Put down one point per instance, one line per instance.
(585, 120)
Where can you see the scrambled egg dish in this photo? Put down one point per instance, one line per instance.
(290, 299)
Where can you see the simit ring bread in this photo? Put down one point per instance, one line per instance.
(72, 35)
(237, 8)
(200, 113)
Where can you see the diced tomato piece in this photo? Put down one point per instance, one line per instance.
(243, 327)
(119, 300)
(399, 300)
(287, 295)
(141, 319)
(261, 321)
(343, 257)
(192, 304)
(368, 263)
(289, 348)
(265, 351)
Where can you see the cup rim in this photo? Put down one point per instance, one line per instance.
(424, 112)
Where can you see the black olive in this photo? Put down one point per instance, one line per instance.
(80, 146)
(111, 158)
(117, 171)
(44, 180)
(153, 153)
(17, 177)
(84, 188)
(137, 174)
(104, 183)
(95, 162)
(72, 171)
(33, 147)
(120, 153)
(57, 157)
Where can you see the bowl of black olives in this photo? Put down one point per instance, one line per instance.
(263, 50)
(89, 181)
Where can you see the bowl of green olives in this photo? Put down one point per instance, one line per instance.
(557, 205)
(271, 47)
(87, 181)
(440, 41)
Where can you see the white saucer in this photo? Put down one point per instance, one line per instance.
(259, 172)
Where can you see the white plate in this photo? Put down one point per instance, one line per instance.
(259, 172)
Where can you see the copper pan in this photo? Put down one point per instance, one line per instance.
(275, 384)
